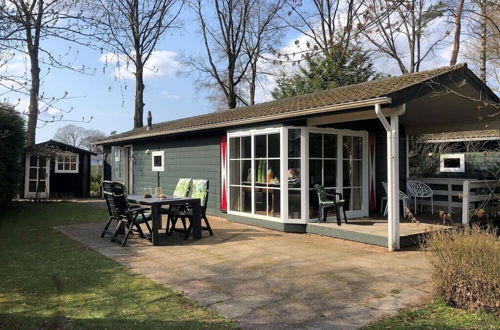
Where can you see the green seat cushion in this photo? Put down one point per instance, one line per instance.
(199, 190)
(182, 188)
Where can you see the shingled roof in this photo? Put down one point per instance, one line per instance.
(341, 98)
(482, 135)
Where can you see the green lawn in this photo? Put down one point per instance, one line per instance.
(436, 315)
(50, 281)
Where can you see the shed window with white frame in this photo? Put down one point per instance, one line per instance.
(158, 161)
(67, 163)
(452, 163)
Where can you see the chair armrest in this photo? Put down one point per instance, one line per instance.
(335, 195)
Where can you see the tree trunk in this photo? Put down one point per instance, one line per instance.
(253, 80)
(139, 95)
(231, 99)
(483, 36)
(458, 32)
(34, 93)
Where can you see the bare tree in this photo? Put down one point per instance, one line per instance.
(326, 24)
(482, 30)
(70, 134)
(79, 136)
(264, 35)
(458, 31)
(403, 30)
(130, 30)
(90, 138)
(26, 25)
(235, 39)
(224, 39)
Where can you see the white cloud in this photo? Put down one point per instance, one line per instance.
(160, 64)
(169, 96)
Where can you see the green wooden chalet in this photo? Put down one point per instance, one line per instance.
(264, 160)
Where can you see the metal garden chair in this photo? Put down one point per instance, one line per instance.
(419, 189)
(199, 190)
(402, 197)
(326, 203)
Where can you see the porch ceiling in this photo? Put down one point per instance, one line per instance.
(437, 113)
(434, 112)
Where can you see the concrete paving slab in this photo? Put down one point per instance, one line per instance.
(273, 280)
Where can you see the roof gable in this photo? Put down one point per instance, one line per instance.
(64, 147)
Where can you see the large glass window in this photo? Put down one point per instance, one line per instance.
(240, 182)
(328, 157)
(352, 172)
(322, 167)
(267, 168)
(258, 173)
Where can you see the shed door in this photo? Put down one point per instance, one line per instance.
(37, 176)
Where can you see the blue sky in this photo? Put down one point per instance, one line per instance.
(168, 94)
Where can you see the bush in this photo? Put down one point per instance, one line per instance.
(11, 150)
(95, 185)
(466, 267)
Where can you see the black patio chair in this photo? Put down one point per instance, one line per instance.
(128, 218)
(326, 203)
(199, 190)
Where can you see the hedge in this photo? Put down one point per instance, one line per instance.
(12, 134)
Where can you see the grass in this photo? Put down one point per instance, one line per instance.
(437, 315)
(49, 281)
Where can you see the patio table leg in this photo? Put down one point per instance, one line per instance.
(155, 213)
(196, 219)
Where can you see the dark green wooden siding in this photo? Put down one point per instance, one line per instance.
(185, 157)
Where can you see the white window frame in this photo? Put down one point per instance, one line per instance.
(158, 168)
(77, 163)
(252, 133)
(305, 130)
(459, 169)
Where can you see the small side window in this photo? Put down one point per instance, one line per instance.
(452, 163)
(158, 161)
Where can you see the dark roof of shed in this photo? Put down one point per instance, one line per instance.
(63, 147)
(289, 107)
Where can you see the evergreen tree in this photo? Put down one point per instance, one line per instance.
(325, 72)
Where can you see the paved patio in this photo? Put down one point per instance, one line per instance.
(268, 279)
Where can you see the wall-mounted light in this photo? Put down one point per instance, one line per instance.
(147, 152)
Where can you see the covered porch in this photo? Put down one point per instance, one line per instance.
(374, 230)
(458, 104)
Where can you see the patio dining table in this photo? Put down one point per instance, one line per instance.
(157, 203)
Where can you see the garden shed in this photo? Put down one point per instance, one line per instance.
(56, 170)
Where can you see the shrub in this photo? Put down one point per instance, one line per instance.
(466, 267)
(95, 185)
(11, 150)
